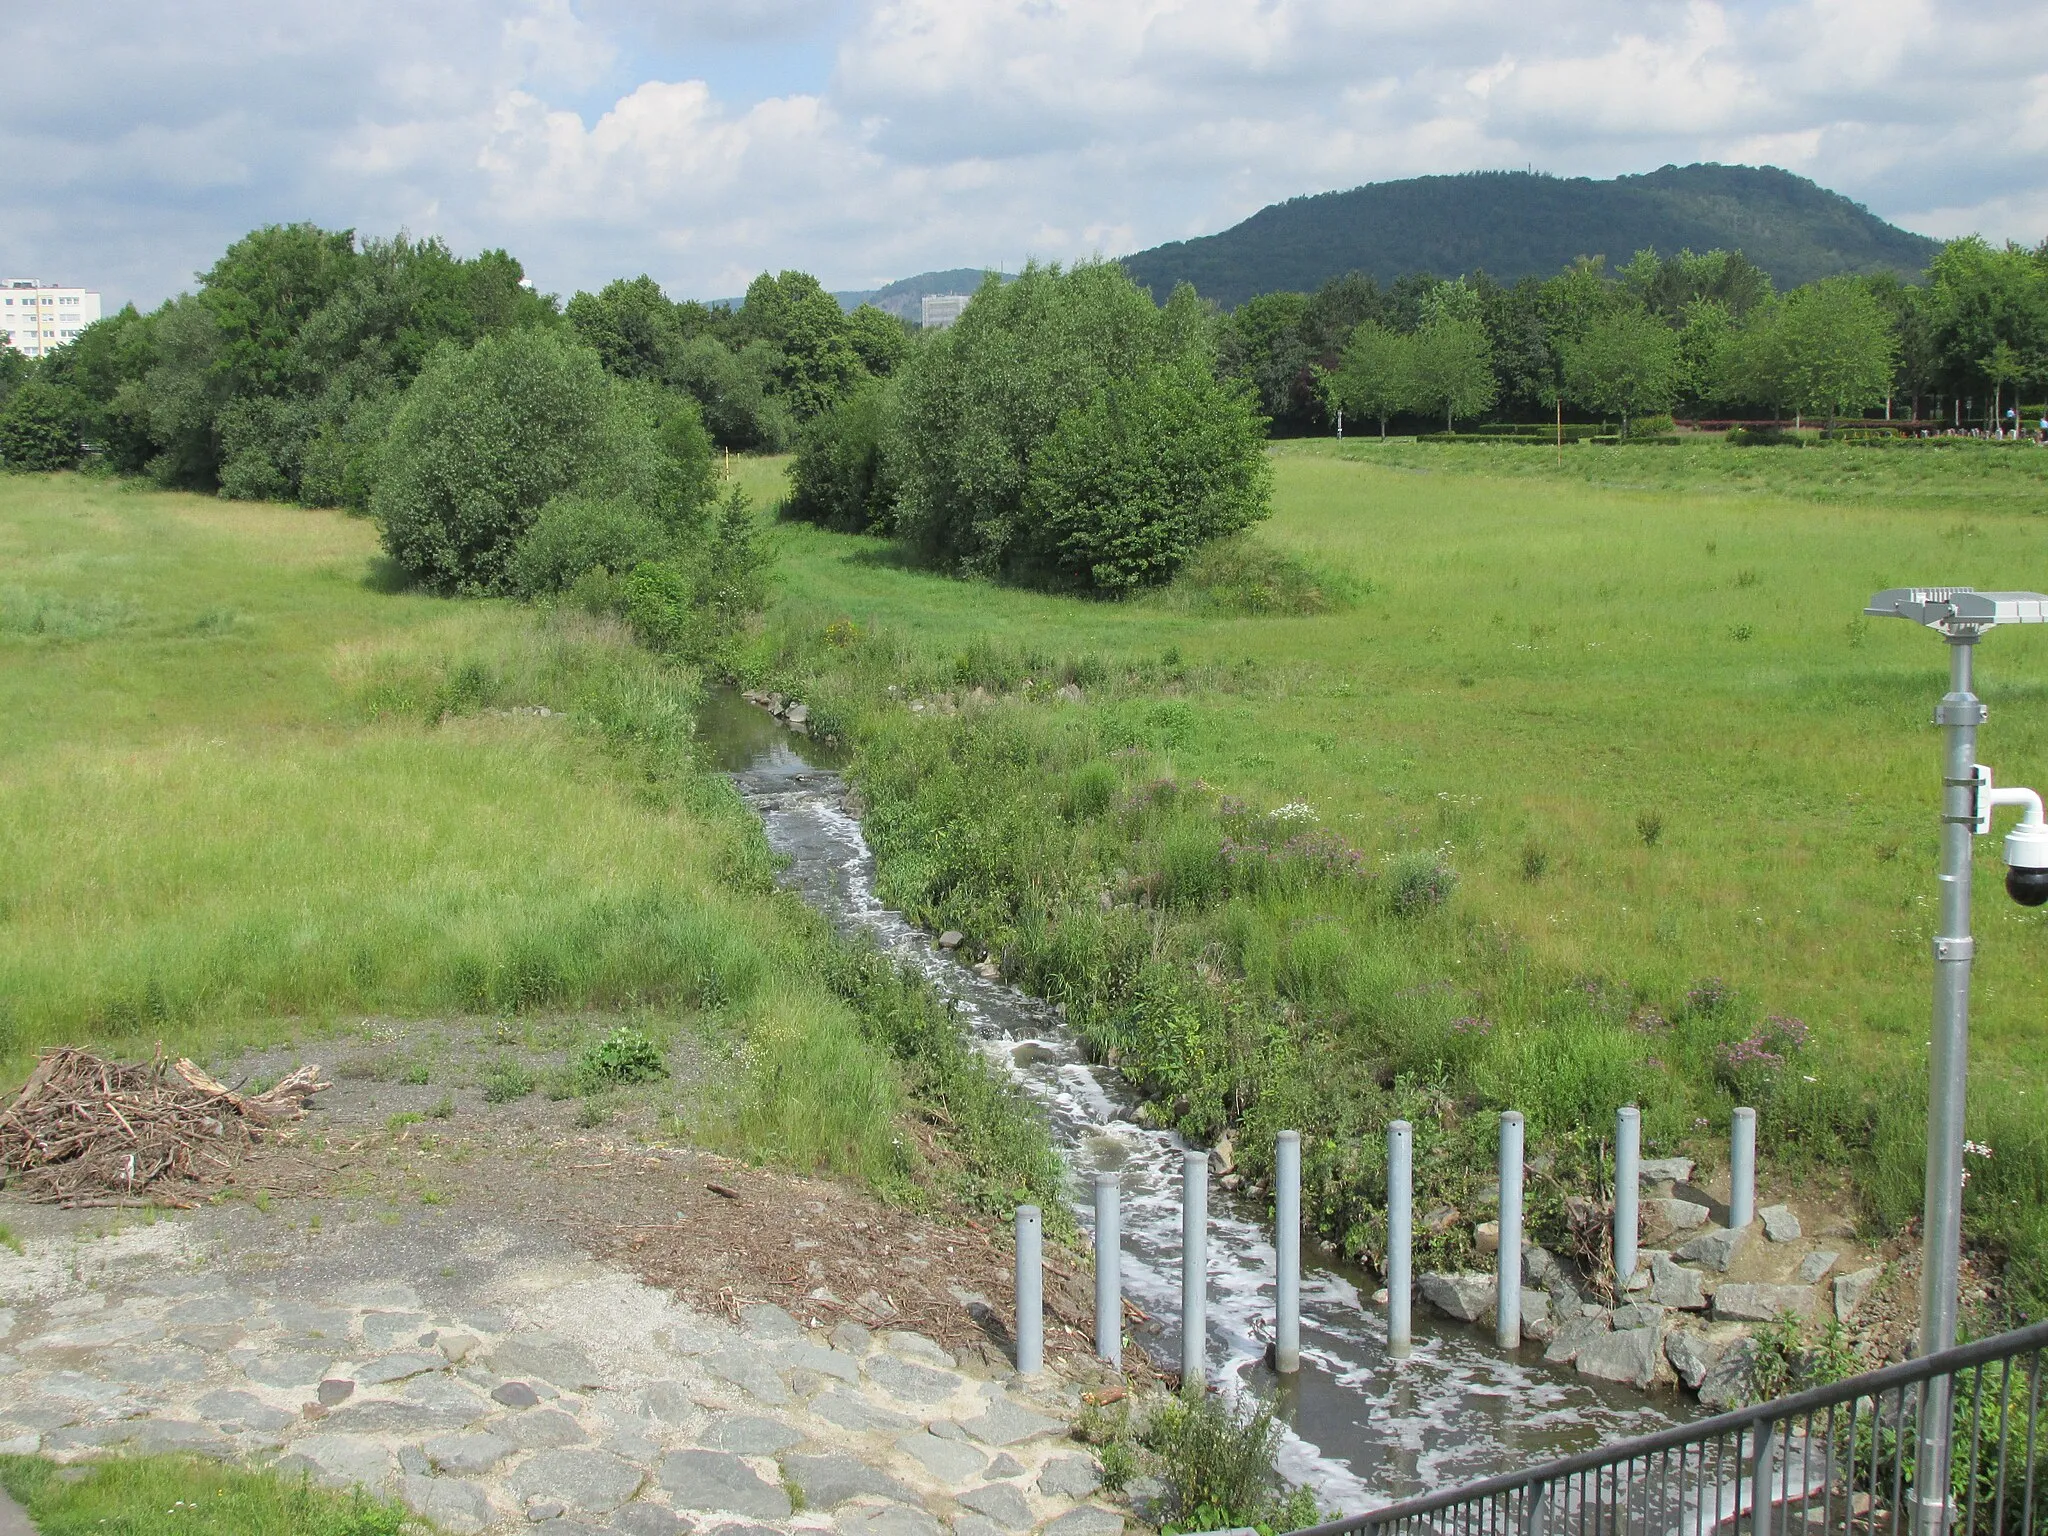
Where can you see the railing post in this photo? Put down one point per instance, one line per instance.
(1194, 1271)
(1628, 1162)
(1109, 1244)
(1030, 1292)
(1400, 1235)
(1761, 1442)
(1741, 1169)
(1536, 1513)
(1507, 1304)
(1287, 1253)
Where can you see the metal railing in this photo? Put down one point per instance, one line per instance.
(1839, 1460)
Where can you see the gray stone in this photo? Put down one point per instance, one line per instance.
(746, 1369)
(413, 1461)
(1852, 1290)
(1085, 1520)
(291, 1368)
(1006, 1423)
(314, 1321)
(1730, 1380)
(390, 1416)
(950, 1461)
(857, 1413)
(1815, 1265)
(454, 1506)
(593, 1482)
(832, 1479)
(746, 1435)
(1572, 1335)
(1068, 1477)
(390, 1295)
(1628, 1355)
(554, 1360)
(339, 1460)
(1002, 1503)
(632, 1445)
(541, 1510)
(1535, 1308)
(720, 1480)
(742, 1528)
(1005, 1465)
(396, 1367)
(388, 1330)
(1715, 1248)
(968, 1523)
(454, 1399)
(334, 1391)
(916, 1346)
(649, 1520)
(209, 1311)
(827, 1362)
(476, 1451)
(239, 1411)
(1674, 1215)
(668, 1401)
(1673, 1285)
(160, 1368)
(947, 1429)
(129, 1328)
(1664, 1170)
(546, 1430)
(1692, 1354)
(852, 1338)
(1780, 1225)
(952, 938)
(1641, 1314)
(515, 1394)
(886, 1520)
(1761, 1303)
(763, 1320)
(911, 1382)
(1467, 1297)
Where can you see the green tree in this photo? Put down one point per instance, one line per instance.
(880, 340)
(794, 314)
(1628, 362)
(39, 427)
(1376, 376)
(1836, 348)
(15, 371)
(631, 326)
(842, 477)
(1980, 296)
(1453, 368)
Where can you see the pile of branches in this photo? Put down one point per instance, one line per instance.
(88, 1131)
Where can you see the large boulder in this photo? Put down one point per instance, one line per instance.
(1673, 1285)
(1715, 1248)
(1748, 1303)
(1852, 1290)
(1467, 1297)
(1627, 1355)
(1731, 1380)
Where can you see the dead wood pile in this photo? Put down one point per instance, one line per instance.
(88, 1131)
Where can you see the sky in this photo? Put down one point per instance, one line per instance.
(703, 141)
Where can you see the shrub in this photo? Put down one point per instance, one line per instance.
(1217, 1459)
(623, 1056)
(1244, 577)
(1421, 883)
(39, 427)
(505, 1081)
(842, 477)
(574, 534)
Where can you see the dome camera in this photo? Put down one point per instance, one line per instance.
(2026, 863)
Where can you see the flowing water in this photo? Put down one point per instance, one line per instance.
(1362, 1429)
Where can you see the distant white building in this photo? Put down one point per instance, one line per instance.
(38, 318)
(942, 309)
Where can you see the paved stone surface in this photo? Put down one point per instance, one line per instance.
(1087, 1520)
(1627, 1355)
(748, 1435)
(720, 1480)
(749, 1369)
(1069, 1477)
(1003, 1503)
(649, 1520)
(950, 1461)
(539, 1431)
(592, 1481)
(1762, 1303)
(910, 1381)
(830, 1480)
(552, 1359)
(850, 1412)
(467, 1454)
(1006, 1423)
(887, 1520)
(452, 1504)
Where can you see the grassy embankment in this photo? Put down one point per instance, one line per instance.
(248, 789)
(1630, 704)
(157, 1495)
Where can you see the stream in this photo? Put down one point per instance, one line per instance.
(1361, 1428)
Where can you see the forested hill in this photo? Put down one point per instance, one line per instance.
(1512, 224)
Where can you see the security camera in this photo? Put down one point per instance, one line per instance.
(2026, 846)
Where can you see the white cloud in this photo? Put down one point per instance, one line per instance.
(594, 139)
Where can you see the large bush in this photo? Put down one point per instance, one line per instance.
(842, 476)
(486, 437)
(39, 427)
(573, 535)
(987, 397)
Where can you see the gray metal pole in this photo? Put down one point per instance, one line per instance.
(1194, 1271)
(1762, 1452)
(1742, 1168)
(1287, 1252)
(1109, 1258)
(1959, 715)
(1030, 1292)
(1507, 1306)
(1628, 1163)
(1400, 1235)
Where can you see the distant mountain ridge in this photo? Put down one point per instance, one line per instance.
(903, 298)
(1515, 224)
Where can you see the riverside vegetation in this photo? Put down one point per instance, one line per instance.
(1545, 794)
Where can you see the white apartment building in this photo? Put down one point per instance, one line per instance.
(940, 310)
(38, 318)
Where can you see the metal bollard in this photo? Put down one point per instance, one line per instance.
(1109, 1245)
(1507, 1303)
(1194, 1271)
(1400, 1235)
(1742, 1169)
(1628, 1173)
(1030, 1291)
(1287, 1253)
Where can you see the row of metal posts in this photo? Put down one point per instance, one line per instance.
(1628, 1139)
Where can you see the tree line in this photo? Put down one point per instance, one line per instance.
(1705, 334)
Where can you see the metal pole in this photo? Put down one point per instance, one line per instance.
(1628, 1162)
(1030, 1292)
(1400, 1235)
(1109, 1258)
(1507, 1306)
(1959, 715)
(1287, 1253)
(1742, 1169)
(1194, 1271)
(1762, 1453)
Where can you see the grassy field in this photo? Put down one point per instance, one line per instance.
(1632, 704)
(162, 1495)
(249, 788)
